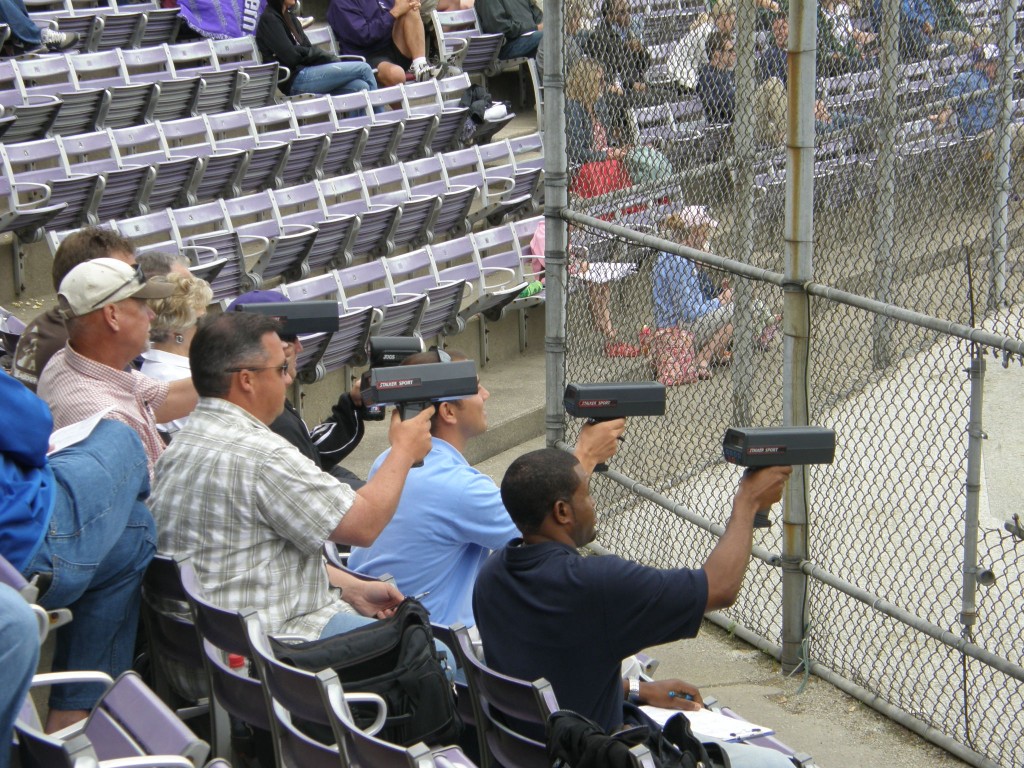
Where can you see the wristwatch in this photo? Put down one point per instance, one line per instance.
(634, 690)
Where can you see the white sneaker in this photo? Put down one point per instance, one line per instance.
(426, 72)
(58, 41)
(307, 21)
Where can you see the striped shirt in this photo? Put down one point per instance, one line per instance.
(76, 387)
(253, 514)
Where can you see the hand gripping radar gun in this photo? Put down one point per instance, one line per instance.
(617, 400)
(411, 388)
(757, 447)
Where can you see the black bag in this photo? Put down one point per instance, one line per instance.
(575, 741)
(395, 658)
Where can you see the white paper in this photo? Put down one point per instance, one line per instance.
(75, 433)
(707, 724)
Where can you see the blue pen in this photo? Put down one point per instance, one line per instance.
(674, 695)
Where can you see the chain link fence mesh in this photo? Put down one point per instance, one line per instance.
(681, 111)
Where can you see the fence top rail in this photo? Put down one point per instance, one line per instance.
(1007, 344)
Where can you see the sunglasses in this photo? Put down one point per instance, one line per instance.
(137, 277)
(281, 369)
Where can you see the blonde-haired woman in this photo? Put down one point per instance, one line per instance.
(171, 332)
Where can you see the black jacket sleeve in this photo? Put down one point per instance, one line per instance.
(338, 436)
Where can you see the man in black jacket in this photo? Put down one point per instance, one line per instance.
(335, 438)
(520, 21)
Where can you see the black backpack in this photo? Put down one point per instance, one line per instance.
(575, 741)
(396, 659)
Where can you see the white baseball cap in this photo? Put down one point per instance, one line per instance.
(94, 284)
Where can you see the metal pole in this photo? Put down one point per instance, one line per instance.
(742, 236)
(885, 170)
(556, 189)
(799, 268)
(1001, 151)
(975, 435)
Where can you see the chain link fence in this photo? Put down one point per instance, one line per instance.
(684, 179)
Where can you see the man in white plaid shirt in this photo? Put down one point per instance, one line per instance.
(251, 510)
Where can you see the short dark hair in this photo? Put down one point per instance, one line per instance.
(716, 42)
(85, 245)
(534, 482)
(230, 340)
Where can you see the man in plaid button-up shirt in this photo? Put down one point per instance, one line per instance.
(252, 511)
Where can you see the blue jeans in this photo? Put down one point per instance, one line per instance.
(19, 655)
(524, 45)
(14, 14)
(344, 621)
(332, 79)
(101, 537)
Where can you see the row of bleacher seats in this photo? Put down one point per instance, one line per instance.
(107, 28)
(122, 172)
(327, 222)
(64, 94)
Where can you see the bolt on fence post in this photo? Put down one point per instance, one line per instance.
(799, 234)
(975, 436)
(885, 179)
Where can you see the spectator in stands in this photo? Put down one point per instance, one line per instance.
(690, 53)
(450, 515)
(75, 524)
(520, 21)
(974, 100)
(251, 511)
(19, 656)
(336, 437)
(171, 332)
(770, 100)
(574, 36)
(389, 34)
(46, 334)
(618, 43)
(773, 61)
(546, 611)
(923, 23)
(280, 38)
(687, 298)
(103, 303)
(716, 80)
(587, 118)
(26, 36)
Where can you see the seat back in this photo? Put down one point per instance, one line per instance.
(175, 655)
(361, 749)
(505, 708)
(224, 635)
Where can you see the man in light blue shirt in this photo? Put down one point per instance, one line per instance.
(450, 515)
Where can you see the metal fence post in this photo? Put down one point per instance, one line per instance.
(799, 234)
(556, 229)
(743, 196)
(885, 177)
(975, 436)
(1001, 152)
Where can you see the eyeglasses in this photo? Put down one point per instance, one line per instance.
(137, 276)
(281, 369)
(442, 355)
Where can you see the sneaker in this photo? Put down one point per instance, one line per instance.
(426, 73)
(55, 41)
(306, 21)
